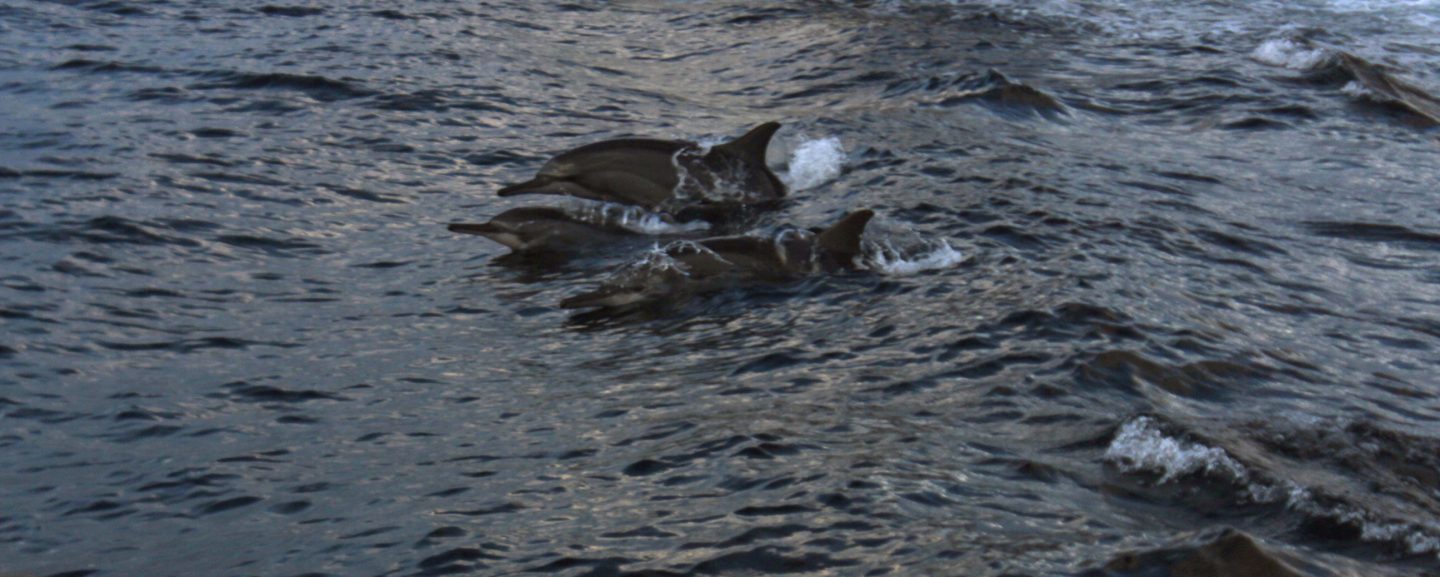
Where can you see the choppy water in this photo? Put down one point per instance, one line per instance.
(1200, 289)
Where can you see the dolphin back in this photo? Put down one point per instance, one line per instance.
(544, 184)
(628, 171)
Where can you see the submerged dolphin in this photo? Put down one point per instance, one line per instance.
(1385, 88)
(1231, 554)
(683, 268)
(662, 174)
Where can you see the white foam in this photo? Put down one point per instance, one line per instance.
(1293, 495)
(640, 221)
(1355, 89)
(1415, 540)
(886, 258)
(1291, 54)
(1418, 539)
(1141, 446)
(656, 261)
(784, 236)
(815, 162)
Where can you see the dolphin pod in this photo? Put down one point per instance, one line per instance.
(674, 180)
(665, 175)
(685, 268)
(670, 181)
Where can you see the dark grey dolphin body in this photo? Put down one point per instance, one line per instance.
(544, 229)
(1385, 88)
(686, 268)
(662, 175)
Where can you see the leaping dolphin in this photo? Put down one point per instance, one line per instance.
(663, 175)
(685, 268)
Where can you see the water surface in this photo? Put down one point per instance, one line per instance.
(1200, 289)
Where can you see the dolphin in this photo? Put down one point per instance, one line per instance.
(1385, 88)
(575, 229)
(684, 268)
(665, 175)
(547, 229)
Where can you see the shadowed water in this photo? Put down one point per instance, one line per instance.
(1193, 287)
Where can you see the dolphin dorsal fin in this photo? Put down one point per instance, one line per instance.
(842, 239)
(751, 147)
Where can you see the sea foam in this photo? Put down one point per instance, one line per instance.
(886, 257)
(895, 248)
(1292, 54)
(1141, 446)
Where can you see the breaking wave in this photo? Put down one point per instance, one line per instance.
(1142, 446)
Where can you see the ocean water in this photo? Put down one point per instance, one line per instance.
(1142, 272)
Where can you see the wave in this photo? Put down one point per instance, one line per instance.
(1144, 445)
(294, 11)
(318, 87)
(101, 66)
(991, 89)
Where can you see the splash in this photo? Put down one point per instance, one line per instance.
(1355, 89)
(815, 162)
(886, 257)
(688, 247)
(658, 260)
(655, 263)
(713, 184)
(1141, 446)
(897, 249)
(783, 239)
(1292, 54)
